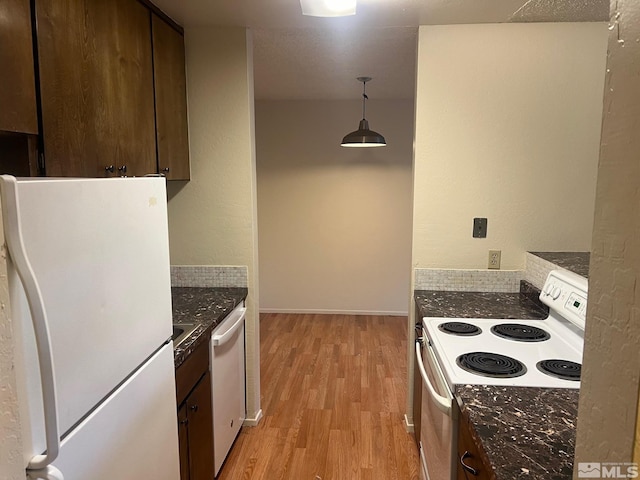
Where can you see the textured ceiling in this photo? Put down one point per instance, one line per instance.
(298, 57)
(303, 64)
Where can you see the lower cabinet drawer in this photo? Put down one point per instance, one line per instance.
(188, 374)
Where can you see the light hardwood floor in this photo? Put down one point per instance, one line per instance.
(333, 398)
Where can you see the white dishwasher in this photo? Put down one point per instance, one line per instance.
(227, 382)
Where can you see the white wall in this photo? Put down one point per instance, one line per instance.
(335, 222)
(508, 121)
(212, 218)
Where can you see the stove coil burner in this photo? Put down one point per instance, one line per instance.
(491, 365)
(563, 369)
(460, 328)
(520, 333)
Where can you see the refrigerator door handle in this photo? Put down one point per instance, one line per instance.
(221, 339)
(15, 244)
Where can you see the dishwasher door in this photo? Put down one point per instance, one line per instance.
(228, 383)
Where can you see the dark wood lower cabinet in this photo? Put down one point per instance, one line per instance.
(183, 440)
(200, 430)
(195, 416)
(470, 464)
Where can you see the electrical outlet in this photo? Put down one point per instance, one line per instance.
(494, 259)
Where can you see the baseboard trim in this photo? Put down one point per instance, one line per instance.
(253, 421)
(408, 425)
(332, 312)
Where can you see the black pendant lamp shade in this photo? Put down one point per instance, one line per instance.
(363, 137)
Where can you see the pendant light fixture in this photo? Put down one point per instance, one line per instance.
(363, 137)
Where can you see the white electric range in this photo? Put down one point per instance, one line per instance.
(480, 351)
(533, 353)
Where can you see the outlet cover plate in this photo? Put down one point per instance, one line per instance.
(494, 259)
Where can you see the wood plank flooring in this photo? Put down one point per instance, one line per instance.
(333, 398)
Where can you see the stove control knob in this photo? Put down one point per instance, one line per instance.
(556, 293)
(548, 289)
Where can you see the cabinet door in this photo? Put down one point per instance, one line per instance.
(17, 82)
(183, 440)
(171, 100)
(96, 80)
(468, 453)
(201, 430)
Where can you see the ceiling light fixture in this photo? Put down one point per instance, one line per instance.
(328, 8)
(363, 137)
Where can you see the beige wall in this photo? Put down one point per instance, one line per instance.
(335, 222)
(607, 415)
(508, 123)
(212, 218)
(636, 442)
(11, 466)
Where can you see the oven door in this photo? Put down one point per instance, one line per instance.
(438, 431)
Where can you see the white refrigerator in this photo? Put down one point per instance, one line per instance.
(90, 294)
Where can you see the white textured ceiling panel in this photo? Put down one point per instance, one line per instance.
(298, 57)
(565, 11)
(324, 64)
(381, 13)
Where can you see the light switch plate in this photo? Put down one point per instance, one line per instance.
(479, 228)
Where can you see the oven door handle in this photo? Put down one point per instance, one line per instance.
(443, 403)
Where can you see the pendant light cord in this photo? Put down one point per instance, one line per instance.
(364, 98)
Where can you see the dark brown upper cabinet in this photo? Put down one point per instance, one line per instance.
(171, 100)
(96, 82)
(17, 81)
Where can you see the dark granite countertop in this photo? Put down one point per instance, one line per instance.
(522, 432)
(432, 303)
(204, 306)
(577, 262)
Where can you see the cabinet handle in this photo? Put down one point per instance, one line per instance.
(110, 168)
(194, 408)
(122, 169)
(184, 422)
(469, 469)
(165, 169)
